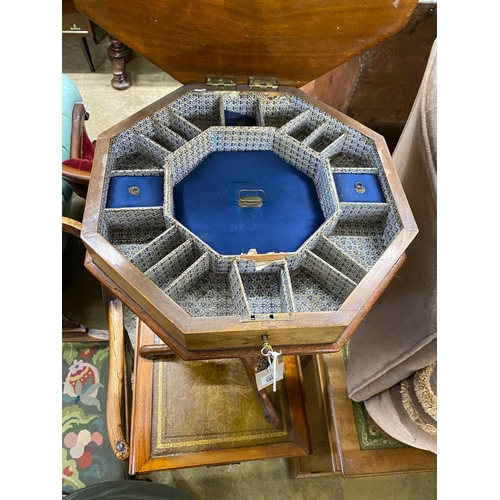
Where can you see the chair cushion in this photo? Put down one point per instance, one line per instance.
(87, 456)
(408, 410)
(399, 334)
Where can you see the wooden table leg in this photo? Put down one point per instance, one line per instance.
(274, 418)
(118, 54)
(86, 51)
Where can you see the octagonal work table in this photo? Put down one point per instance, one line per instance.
(288, 224)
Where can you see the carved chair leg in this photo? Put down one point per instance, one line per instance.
(118, 54)
(272, 415)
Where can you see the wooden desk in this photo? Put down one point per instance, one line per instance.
(344, 440)
(75, 24)
(199, 413)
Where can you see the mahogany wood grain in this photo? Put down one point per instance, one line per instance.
(142, 409)
(336, 87)
(391, 71)
(293, 41)
(205, 353)
(155, 351)
(381, 90)
(71, 174)
(323, 461)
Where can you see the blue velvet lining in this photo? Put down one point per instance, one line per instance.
(347, 192)
(206, 202)
(237, 119)
(150, 195)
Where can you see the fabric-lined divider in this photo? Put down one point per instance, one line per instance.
(202, 290)
(184, 128)
(158, 132)
(133, 151)
(267, 291)
(240, 109)
(363, 241)
(317, 286)
(202, 109)
(170, 267)
(335, 146)
(358, 151)
(240, 139)
(340, 161)
(363, 212)
(130, 229)
(177, 123)
(158, 249)
(301, 126)
(314, 166)
(167, 137)
(323, 138)
(286, 290)
(183, 161)
(279, 110)
(338, 259)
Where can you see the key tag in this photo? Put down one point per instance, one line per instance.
(273, 372)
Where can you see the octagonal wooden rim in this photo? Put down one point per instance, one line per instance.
(228, 336)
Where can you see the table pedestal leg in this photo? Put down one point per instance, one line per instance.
(118, 54)
(272, 415)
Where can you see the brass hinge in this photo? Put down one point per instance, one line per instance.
(262, 83)
(221, 82)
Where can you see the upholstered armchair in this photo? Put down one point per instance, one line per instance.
(393, 352)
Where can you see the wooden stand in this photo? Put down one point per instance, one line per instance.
(200, 413)
(339, 445)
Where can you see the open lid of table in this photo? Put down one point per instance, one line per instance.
(292, 41)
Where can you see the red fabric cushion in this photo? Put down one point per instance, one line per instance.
(84, 163)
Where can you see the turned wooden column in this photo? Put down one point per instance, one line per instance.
(118, 54)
